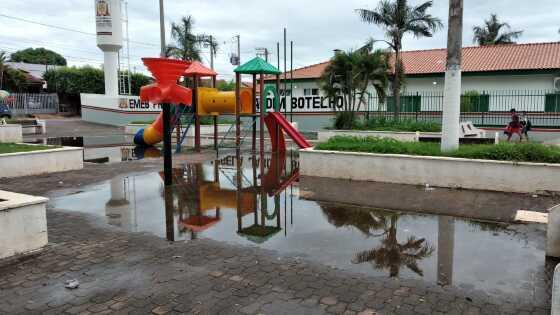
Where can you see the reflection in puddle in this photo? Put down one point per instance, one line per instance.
(221, 202)
(103, 149)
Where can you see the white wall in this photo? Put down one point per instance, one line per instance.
(23, 223)
(41, 162)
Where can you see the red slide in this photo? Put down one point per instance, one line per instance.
(274, 119)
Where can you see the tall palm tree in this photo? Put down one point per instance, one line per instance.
(187, 44)
(397, 18)
(392, 255)
(494, 32)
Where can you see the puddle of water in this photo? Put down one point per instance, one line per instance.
(103, 149)
(205, 203)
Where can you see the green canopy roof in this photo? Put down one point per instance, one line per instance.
(255, 66)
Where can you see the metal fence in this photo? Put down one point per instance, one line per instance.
(484, 108)
(32, 103)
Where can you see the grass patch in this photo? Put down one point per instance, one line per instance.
(524, 152)
(18, 147)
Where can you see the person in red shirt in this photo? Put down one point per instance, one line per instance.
(514, 126)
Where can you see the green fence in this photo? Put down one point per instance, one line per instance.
(483, 108)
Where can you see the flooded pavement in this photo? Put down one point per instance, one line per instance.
(267, 212)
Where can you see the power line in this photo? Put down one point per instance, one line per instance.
(63, 28)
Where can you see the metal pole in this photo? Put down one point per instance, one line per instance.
(162, 29)
(254, 118)
(452, 90)
(291, 79)
(167, 160)
(284, 97)
(196, 117)
(211, 54)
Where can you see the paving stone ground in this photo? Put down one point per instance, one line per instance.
(132, 273)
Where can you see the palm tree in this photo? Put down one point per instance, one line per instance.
(494, 33)
(350, 74)
(397, 18)
(187, 44)
(393, 255)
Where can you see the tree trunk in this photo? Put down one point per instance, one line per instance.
(397, 86)
(452, 90)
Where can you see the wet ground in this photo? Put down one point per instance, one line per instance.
(271, 247)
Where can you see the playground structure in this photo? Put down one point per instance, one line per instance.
(198, 102)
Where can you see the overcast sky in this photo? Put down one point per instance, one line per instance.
(316, 27)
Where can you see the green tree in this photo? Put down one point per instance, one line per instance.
(494, 32)
(38, 56)
(188, 45)
(14, 80)
(398, 18)
(224, 85)
(349, 74)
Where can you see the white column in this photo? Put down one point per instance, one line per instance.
(553, 233)
(451, 110)
(110, 67)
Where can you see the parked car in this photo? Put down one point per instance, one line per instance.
(5, 111)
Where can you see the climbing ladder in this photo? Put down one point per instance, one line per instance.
(246, 129)
(184, 116)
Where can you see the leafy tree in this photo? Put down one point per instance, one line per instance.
(14, 80)
(494, 32)
(187, 44)
(349, 74)
(397, 18)
(38, 56)
(224, 85)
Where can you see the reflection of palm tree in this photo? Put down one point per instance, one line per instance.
(365, 221)
(392, 255)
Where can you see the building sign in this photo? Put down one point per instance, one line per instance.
(134, 104)
(307, 104)
(103, 19)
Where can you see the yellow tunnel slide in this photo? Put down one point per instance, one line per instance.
(210, 101)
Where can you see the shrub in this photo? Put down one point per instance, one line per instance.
(526, 152)
(345, 120)
(389, 124)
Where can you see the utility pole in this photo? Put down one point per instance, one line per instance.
(238, 50)
(452, 90)
(162, 28)
(262, 52)
(211, 52)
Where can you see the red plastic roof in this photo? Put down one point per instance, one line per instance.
(198, 69)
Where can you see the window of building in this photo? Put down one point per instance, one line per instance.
(308, 92)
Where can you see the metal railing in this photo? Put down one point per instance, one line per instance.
(484, 108)
(32, 103)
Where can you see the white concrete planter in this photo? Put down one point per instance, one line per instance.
(325, 135)
(23, 224)
(436, 171)
(11, 133)
(41, 161)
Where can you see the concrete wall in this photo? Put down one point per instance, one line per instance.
(435, 171)
(11, 133)
(23, 224)
(40, 162)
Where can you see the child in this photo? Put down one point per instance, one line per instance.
(526, 125)
(514, 127)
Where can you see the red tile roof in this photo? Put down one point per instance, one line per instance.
(535, 56)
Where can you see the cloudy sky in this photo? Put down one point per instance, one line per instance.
(316, 27)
